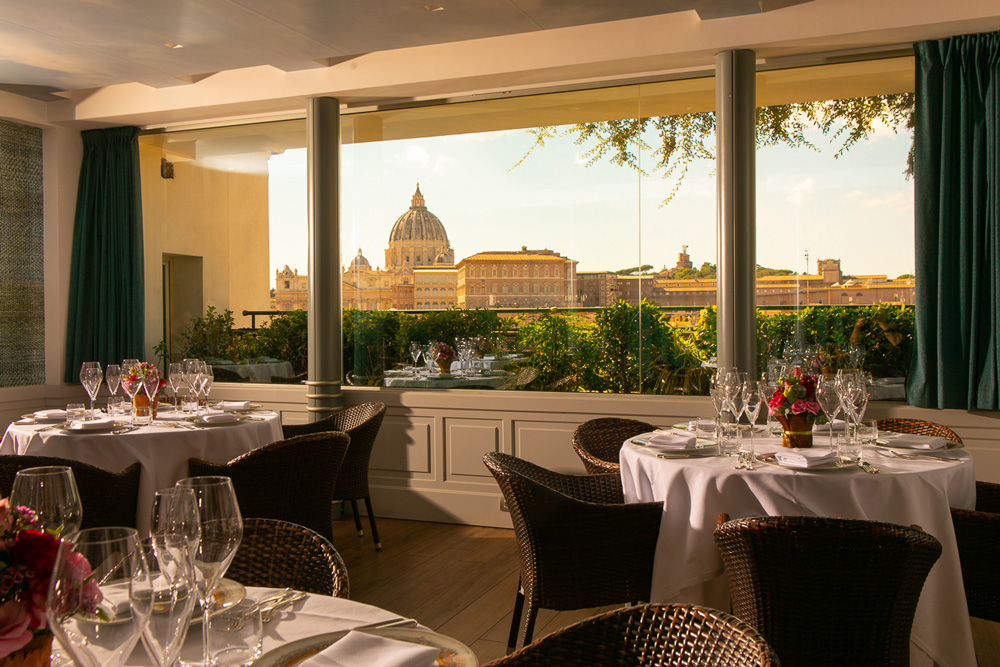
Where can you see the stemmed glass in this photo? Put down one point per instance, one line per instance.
(174, 534)
(754, 392)
(829, 400)
(100, 596)
(175, 376)
(151, 386)
(221, 531)
(207, 377)
(415, 351)
(131, 388)
(717, 389)
(113, 374)
(91, 377)
(50, 492)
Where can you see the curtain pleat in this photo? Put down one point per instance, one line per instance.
(106, 290)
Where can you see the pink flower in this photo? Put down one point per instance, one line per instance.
(798, 407)
(14, 632)
(776, 403)
(813, 407)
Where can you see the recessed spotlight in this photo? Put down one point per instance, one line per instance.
(434, 8)
(171, 45)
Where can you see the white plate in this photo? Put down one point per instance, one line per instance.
(702, 447)
(451, 652)
(105, 427)
(200, 421)
(252, 406)
(44, 420)
(884, 440)
(832, 466)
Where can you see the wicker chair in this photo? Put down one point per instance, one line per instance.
(580, 546)
(279, 554)
(652, 636)
(362, 423)
(918, 427)
(977, 533)
(226, 375)
(597, 441)
(291, 480)
(827, 591)
(108, 498)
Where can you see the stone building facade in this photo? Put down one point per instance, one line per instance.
(518, 279)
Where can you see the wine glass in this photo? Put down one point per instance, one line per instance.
(415, 351)
(100, 596)
(221, 531)
(151, 386)
(175, 375)
(207, 376)
(172, 577)
(754, 392)
(129, 385)
(50, 492)
(717, 390)
(113, 375)
(828, 399)
(91, 377)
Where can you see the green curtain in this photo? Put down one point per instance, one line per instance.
(956, 359)
(106, 289)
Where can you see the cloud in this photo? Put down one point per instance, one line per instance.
(799, 191)
(418, 154)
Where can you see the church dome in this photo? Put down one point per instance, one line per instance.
(360, 261)
(418, 224)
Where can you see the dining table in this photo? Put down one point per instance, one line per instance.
(696, 488)
(162, 447)
(316, 621)
(454, 380)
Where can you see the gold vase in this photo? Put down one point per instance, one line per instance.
(140, 400)
(796, 430)
(444, 365)
(36, 653)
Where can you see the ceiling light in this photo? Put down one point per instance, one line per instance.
(171, 45)
(434, 8)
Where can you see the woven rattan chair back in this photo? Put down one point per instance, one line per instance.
(361, 422)
(650, 635)
(291, 480)
(918, 427)
(597, 441)
(977, 533)
(580, 546)
(279, 554)
(827, 591)
(108, 498)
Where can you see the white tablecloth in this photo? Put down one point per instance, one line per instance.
(453, 382)
(311, 616)
(163, 451)
(688, 567)
(262, 372)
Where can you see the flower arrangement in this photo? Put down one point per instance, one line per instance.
(27, 558)
(444, 351)
(142, 370)
(794, 404)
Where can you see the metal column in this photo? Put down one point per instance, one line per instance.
(325, 312)
(735, 113)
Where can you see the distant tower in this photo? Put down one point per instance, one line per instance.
(684, 260)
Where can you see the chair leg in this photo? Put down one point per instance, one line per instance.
(371, 520)
(515, 622)
(357, 518)
(529, 624)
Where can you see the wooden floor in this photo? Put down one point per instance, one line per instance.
(457, 580)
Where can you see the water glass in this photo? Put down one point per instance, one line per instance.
(115, 406)
(848, 448)
(75, 412)
(729, 442)
(235, 634)
(189, 402)
(867, 432)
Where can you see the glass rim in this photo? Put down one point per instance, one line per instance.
(202, 480)
(43, 470)
(111, 534)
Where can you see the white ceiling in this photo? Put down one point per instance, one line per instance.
(65, 45)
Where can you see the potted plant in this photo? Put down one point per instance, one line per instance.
(135, 376)
(794, 404)
(444, 355)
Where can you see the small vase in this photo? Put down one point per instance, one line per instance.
(796, 430)
(141, 402)
(36, 653)
(444, 365)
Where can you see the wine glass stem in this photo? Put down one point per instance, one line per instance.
(206, 658)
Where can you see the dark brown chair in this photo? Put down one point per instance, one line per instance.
(279, 554)
(918, 427)
(977, 533)
(362, 423)
(580, 546)
(108, 498)
(650, 635)
(827, 591)
(597, 441)
(226, 375)
(291, 480)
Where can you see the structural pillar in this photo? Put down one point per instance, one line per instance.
(325, 311)
(735, 115)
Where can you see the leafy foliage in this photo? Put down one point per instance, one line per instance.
(286, 336)
(209, 336)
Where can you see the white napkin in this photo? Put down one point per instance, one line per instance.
(54, 413)
(910, 441)
(838, 425)
(220, 418)
(805, 458)
(234, 405)
(670, 440)
(90, 425)
(360, 648)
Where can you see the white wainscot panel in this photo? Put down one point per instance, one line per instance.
(548, 444)
(466, 441)
(403, 447)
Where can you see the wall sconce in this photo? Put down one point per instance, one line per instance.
(166, 168)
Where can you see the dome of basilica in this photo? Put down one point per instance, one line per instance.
(360, 261)
(418, 224)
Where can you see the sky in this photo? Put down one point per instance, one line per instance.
(857, 208)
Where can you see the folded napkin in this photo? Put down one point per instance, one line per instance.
(220, 418)
(910, 441)
(54, 413)
(234, 405)
(805, 458)
(670, 440)
(360, 648)
(838, 425)
(90, 425)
